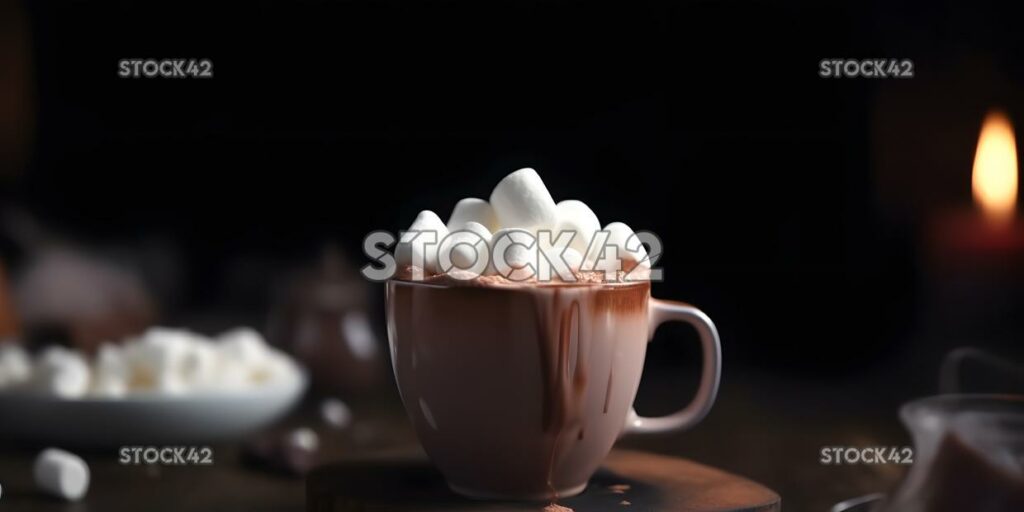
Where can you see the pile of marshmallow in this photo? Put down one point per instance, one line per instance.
(161, 361)
(519, 204)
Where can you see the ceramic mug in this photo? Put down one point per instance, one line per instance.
(520, 391)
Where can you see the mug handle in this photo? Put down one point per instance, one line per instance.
(662, 311)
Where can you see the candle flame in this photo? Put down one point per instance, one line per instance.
(994, 179)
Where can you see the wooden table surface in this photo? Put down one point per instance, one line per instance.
(628, 481)
(756, 430)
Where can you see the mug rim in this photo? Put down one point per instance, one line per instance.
(447, 283)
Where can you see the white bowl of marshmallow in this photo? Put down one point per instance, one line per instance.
(166, 385)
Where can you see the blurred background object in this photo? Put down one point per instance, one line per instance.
(321, 314)
(8, 315)
(18, 90)
(968, 455)
(69, 294)
(66, 296)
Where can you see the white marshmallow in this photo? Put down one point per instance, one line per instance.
(244, 358)
(243, 344)
(577, 217)
(557, 262)
(621, 236)
(304, 439)
(15, 365)
(233, 375)
(573, 259)
(276, 366)
(359, 335)
(199, 365)
(467, 248)
(414, 248)
(521, 200)
(110, 372)
(158, 358)
(335, 413)
(62, 474)
(514, 254)
(472, 209)
(60, 372)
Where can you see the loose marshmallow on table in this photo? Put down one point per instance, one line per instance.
(15, 365)
(521, 200)
(294, 452)
(415, 249)
(335, 413)
(303, 438)
(472, 209)
(577, 217)
(61, 372)
(62, 474)
(468, 248)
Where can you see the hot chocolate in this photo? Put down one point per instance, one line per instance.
(518, 391)
(519, 383)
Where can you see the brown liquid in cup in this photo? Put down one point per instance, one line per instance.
(518, 391)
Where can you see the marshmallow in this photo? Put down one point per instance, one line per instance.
(60, 372)
(514, 254)
(293, 452)
(244, 357)
(15, 365)
(622, 236)
(573, 259)
(358, 335)
(199, 365)
(335, 413)
(303, 438)
(416, 249)
(111, 372)
(161, 360)
(630, 248)
(577, 217)
(61, 474)
(233, 375)
(243, 344)
(521, 200)
(472, 209)
(557, 262)
(467, 248)
(275, 366)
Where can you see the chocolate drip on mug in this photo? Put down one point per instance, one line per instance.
(564, 382)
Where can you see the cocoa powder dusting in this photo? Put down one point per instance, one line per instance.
(457, 277)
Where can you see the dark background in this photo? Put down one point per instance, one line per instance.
(793, 209)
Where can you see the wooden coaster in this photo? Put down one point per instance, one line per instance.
(628, 481)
